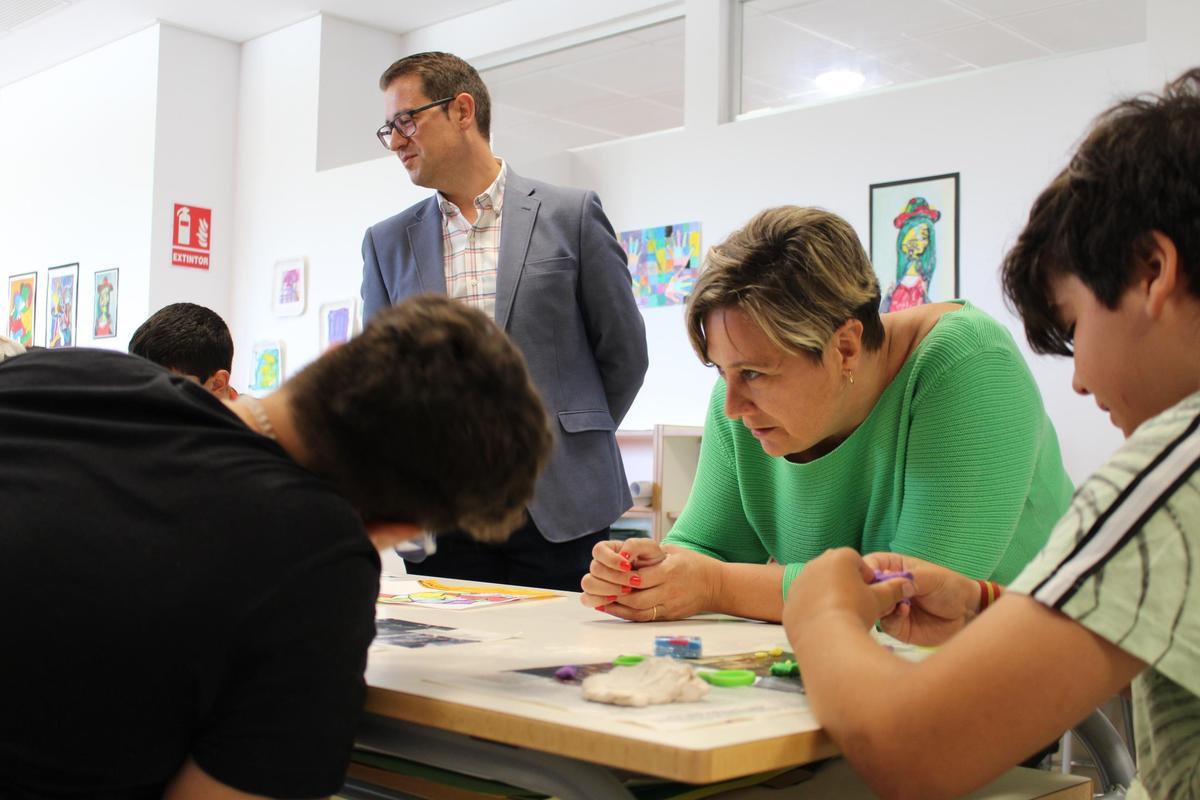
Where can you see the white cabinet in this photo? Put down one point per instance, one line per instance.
(667, 455)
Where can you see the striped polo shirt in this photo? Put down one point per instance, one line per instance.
(471, 252)
(1125, 563)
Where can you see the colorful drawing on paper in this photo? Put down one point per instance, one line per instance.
(61, 305)
(22, 300)
(267, 363)
(288, 288)
(914, 241)
(663, 262)
(339, 321)
(432, 593)
(104, 305)
(759, 663)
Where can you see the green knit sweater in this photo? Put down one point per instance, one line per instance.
(957, 464)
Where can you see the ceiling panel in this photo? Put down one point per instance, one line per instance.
(1089, 25)
(787, 44)
(869, 24)
(984, 45)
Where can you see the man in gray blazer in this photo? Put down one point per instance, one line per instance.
(544, 262)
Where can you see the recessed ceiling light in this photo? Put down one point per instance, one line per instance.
(840, 81)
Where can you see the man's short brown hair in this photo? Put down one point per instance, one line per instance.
(1136, 172)
(445, 75)
(427, 417)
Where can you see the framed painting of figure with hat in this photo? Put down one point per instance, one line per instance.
(914, 240)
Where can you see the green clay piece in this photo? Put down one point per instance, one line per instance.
(628, 661)
(785, 669)
(729, 677)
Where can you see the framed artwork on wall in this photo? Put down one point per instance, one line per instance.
(914, 240)
(339, 321)
(664, 262)
(62, 305)
(288, 288)
(22, 303)
(267, 364)
(104, 304)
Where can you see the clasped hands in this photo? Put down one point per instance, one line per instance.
(643, 581)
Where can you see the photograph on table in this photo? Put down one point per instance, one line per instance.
(22, 302)
(663, 263)
(104, 304)
(339, 321)
(62, 305)
(267, 366)
(914, 240)
(288, 288)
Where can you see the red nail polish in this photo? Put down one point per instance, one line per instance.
(626, 566)
(600, 609)
(611, 598)
(625, 590)
(635, 580)
(626, 556)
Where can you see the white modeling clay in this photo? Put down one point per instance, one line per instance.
(653, 681)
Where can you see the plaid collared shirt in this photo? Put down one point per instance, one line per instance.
(471, 252)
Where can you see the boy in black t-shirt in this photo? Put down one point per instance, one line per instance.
(188, 582)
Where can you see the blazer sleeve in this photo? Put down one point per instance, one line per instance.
(374, 293)
(614, 325)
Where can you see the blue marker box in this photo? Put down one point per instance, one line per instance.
(677, 646)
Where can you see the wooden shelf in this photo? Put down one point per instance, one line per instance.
(674, 451)
(640, 511)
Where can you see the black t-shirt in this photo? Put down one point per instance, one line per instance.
(171, 584)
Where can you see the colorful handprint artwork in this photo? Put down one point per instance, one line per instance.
(663, 263)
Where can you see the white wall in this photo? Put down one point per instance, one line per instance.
(195, 134)
(76, 170)
(285, 208)
(1006, 130)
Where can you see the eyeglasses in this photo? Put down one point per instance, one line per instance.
(404, 124)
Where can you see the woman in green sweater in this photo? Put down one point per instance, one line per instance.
(920, 432)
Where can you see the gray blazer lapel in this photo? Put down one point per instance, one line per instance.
(516, 227)
(425, 239)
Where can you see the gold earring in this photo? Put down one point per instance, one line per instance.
(851, 376)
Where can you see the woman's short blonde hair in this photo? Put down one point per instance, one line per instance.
(798, 273)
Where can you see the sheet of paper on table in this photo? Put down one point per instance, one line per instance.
(449, 596)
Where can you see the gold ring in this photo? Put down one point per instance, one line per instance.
(655, 613)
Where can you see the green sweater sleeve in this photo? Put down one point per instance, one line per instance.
(974, 435)
(713, 521)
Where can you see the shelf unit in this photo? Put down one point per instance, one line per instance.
(670, 453)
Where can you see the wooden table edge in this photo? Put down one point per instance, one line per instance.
(658, 759)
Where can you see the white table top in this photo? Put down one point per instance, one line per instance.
(440, 686)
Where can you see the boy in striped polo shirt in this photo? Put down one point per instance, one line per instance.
(1107, 269)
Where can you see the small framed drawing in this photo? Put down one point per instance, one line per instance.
(267, 363)
(104, 304)
(914, 240)
(22, 302)
(62, 305)
(339, 321)
(288, 288)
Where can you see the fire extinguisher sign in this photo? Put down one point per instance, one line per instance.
(193, 233)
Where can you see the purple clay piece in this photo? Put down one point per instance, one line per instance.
(567, 673)
(880, 575)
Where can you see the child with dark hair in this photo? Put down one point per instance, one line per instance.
(213, 559)
(1108, 270)
(189, 340)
